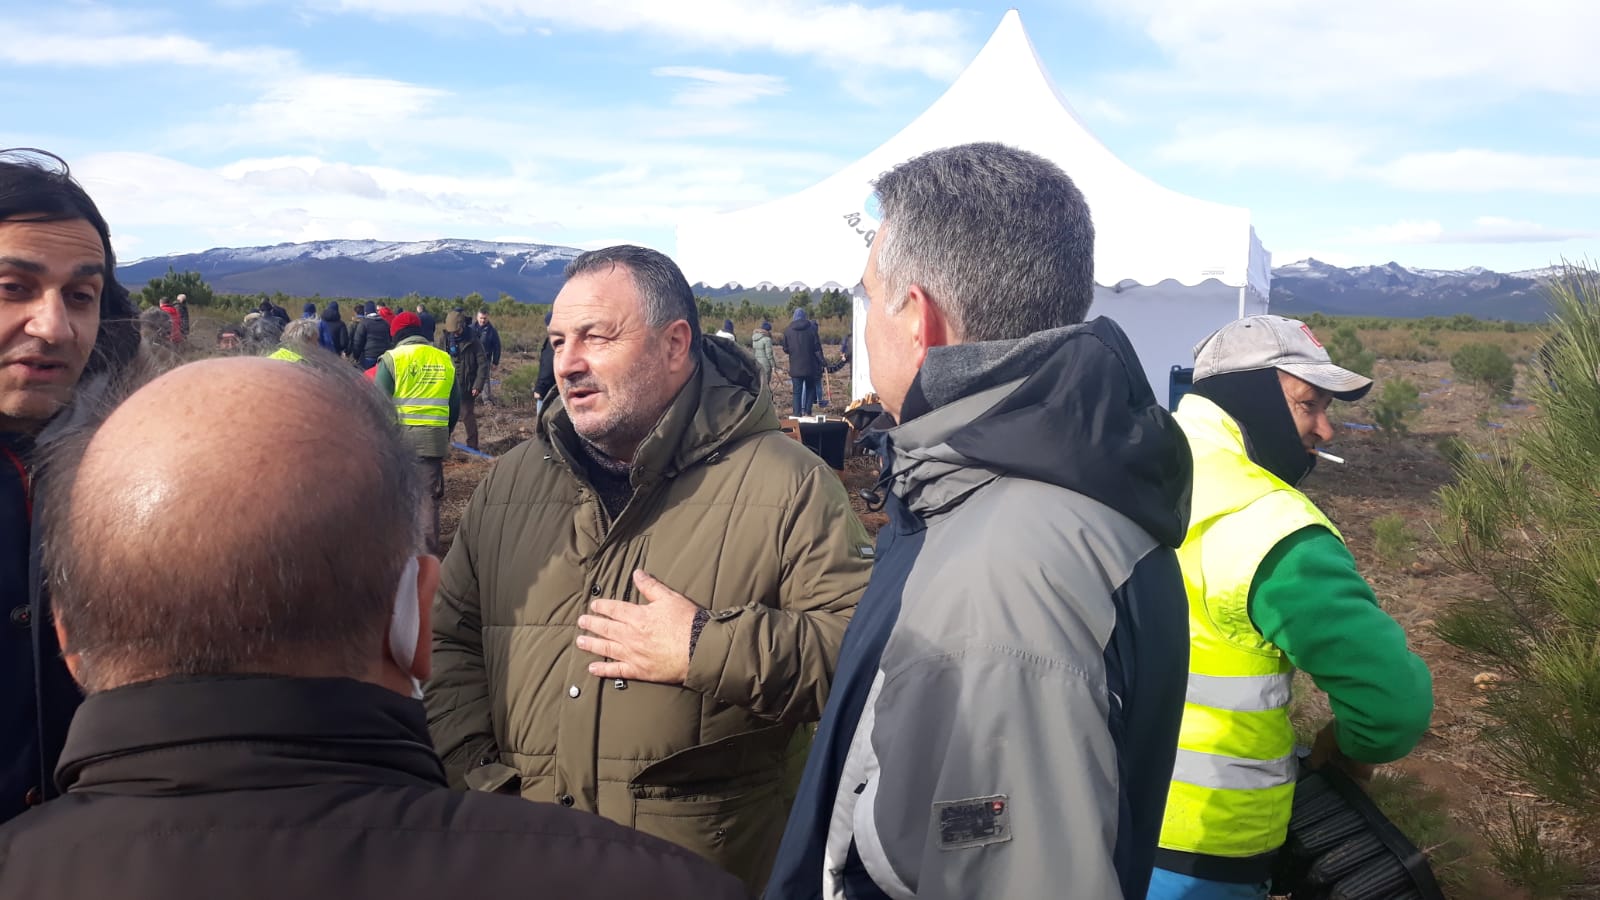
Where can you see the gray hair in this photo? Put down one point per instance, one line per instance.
(304, 332)
(665, 292)
(263, 598)
(999, 238)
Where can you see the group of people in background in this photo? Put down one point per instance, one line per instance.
(662, 657)
(803, 344)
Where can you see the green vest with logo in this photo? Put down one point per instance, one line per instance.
(423, 376)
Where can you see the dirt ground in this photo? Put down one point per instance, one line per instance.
(1383, 475)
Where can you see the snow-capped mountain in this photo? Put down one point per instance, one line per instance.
(532, 273)
(443, 268)
(1311, 285)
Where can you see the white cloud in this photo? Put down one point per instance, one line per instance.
(320, 108)
(1492, 170)
(717, 88)
(1484, 230)
(844, 35)
(1402, 232)
(1369, 51)
(1320, 149)
(105, 40)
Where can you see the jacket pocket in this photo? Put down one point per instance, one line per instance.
(736, 826)
(494, 778)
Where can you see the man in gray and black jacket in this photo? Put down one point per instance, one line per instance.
(1005, 708)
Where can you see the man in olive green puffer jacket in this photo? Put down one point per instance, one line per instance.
(644, 603)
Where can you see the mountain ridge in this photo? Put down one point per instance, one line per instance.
(531, 272)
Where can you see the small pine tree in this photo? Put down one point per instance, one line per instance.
(1346, 350)
(1486, 365)
(170, 285)
(1396, 404)
(1525, 518)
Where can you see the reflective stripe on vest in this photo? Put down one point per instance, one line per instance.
(1232, 772)
(1243, 693)
(423, 376)
(1233, 781)
(284, 353)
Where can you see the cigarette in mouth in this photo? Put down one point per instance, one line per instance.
(1330, 457)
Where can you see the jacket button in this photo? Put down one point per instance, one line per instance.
(594, 590)
(573, 692)
(565, 800)
(21, 616)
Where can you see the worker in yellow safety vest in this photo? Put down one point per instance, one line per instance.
(1271, 588)
(299, 339)
(422, 381)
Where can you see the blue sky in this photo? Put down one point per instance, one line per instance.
(1438, 133)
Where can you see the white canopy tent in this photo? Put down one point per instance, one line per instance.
(1169, 268)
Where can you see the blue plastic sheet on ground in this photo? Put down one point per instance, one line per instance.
(1357, 426)
(465, 449)
(1496, 425)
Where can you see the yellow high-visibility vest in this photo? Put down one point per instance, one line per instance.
(423, 376)
(1233, 782)
(284, 353)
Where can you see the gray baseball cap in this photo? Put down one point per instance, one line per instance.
(1274, 342)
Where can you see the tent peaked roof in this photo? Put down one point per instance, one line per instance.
(1145, 233)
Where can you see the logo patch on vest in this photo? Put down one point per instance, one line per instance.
(866, 551)
(973, 823)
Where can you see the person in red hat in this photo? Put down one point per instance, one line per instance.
(421, 380)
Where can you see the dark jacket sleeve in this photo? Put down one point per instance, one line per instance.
(457, 696)
(480, 368)
(455, 404)
(547, 370)
(491, 344)
(1309, 600)
(358, 340)
(779, 662)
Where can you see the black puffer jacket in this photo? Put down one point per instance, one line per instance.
(370, 338)
(262, 787)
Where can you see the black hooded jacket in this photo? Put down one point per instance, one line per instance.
(804, 346)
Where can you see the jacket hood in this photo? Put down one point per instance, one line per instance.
(1068, 407)
(330, 313)
(802, 323)
(721, 403)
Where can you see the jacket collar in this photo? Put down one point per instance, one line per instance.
(180, 736)
(1068, 407)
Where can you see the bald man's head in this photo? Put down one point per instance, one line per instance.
(184, 538)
